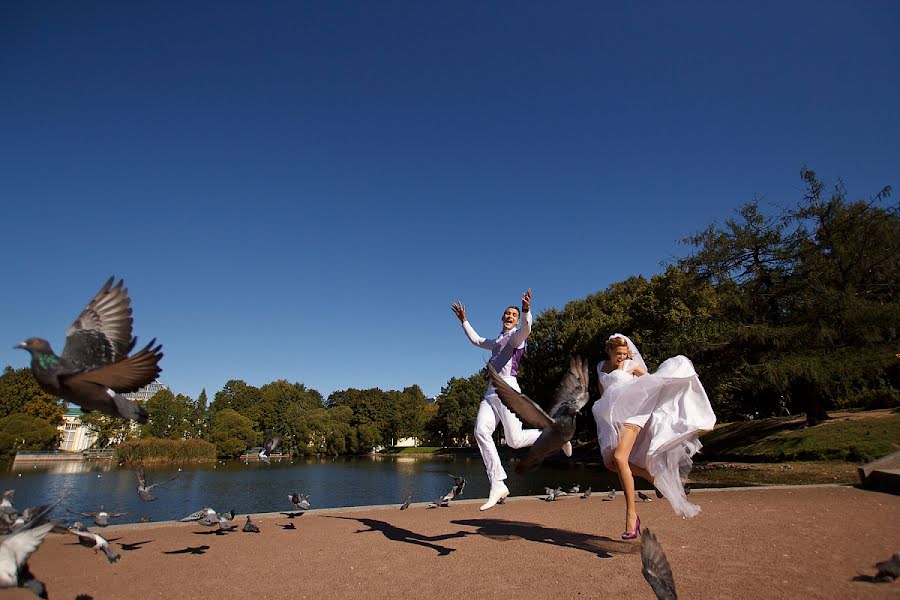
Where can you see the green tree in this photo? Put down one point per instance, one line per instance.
(110, 431)
(23, 432)
(171, 417)
(808, 300)
(238, 396)
(20, 393)
(456, 407)
(232, 433)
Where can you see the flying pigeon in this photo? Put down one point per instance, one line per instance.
(587, 493)
(459, 484)
(656, 567)
(250, 526)
(644, 497)
(611, 495)
(7, 510)
(93, 540)
(101, 517)
(143, 489)
(272, 443)
(558, 427)
(405, 505)
(95, 369)
(299, 500)
(14, 553)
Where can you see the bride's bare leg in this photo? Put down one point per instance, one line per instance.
(641, 472)
(623, 450)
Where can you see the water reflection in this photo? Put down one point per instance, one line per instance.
(255, 487)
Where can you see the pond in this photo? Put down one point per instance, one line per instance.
(256, 487)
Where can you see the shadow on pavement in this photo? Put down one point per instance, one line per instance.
(406, 536)
(503, 531)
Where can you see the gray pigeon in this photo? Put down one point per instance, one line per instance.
(587, 493)
(558, 427)
(101, 517)
(15, 550)
(143, 489)
(459, 484)
(405, 505)
(8, 512)
(272, 443)
(574, 489)
(656, 567)
(553, 494)
(94, 369)
(250, 526)
(439, 503)
(644, 497)
(611, 495)
(210, 518)
(299, 500)
(93, 540)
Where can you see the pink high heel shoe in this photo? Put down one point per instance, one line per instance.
(630, 535)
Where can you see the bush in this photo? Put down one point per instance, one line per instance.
(156, 450)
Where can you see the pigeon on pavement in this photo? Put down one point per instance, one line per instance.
(587, 493)
(558, 427)
(656, 567)
(250, 526)
(644, 497)
(94, 369)
(210, 518)
(405, 505)
(611, 495)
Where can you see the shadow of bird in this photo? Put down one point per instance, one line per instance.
(287, 526)
(189, 550)
(133, 546)
(888, 570)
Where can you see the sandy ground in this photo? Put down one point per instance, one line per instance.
(797, 542)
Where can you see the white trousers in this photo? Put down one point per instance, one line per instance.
(491, 411)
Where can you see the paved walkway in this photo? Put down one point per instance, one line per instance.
(803, 542)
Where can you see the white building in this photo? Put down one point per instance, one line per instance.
(74, 436)
(145, 393)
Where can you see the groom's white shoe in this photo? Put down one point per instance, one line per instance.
(499, 492)
(567, 448)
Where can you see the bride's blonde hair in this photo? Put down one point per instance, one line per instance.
(617, 342)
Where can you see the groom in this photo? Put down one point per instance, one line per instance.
(506, 352)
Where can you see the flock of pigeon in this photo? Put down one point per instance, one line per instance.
(95, 369)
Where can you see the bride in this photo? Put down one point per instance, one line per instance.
(648, 424)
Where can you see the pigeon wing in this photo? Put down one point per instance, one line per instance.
(272, 443)
(20, 546)
(656, 568)
(151, 486)
(573, 388)
(194, 516)
(102, 332)
(124, 376)
(523, 406)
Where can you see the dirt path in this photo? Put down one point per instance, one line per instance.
(752, 543)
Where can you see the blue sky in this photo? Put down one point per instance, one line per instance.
(299, 190)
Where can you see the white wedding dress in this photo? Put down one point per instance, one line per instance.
(672, 409)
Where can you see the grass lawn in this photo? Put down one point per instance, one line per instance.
(856, 437)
